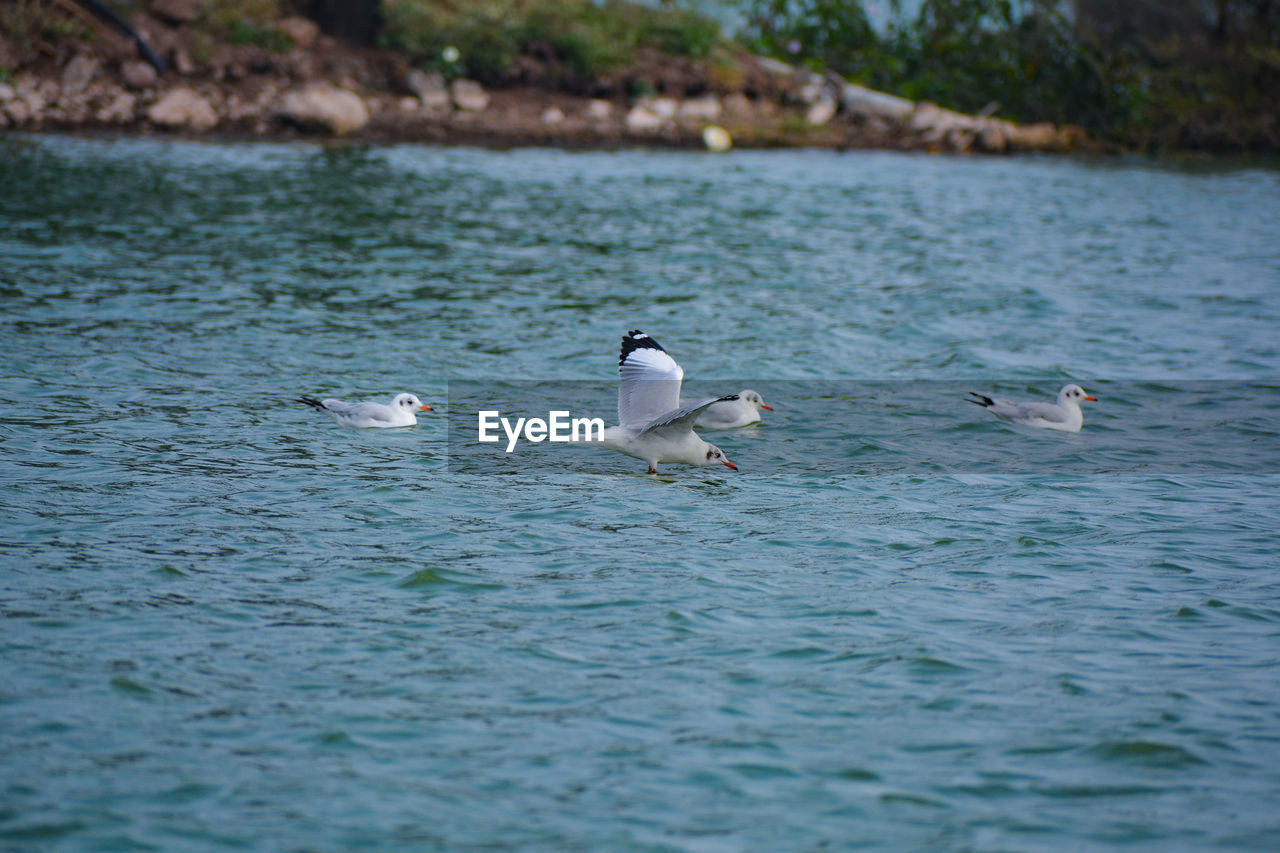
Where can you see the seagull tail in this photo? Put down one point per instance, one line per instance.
(983, 400)
(312, 402)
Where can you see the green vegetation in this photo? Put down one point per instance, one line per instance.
(246, 22)
(1144, 73)
(35, 21)
(268, 37)
(584, 38)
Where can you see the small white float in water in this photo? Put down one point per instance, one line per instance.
(716, 138)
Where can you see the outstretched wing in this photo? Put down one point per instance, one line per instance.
(681, 420)
(650, 380)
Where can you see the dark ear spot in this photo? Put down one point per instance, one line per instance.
(709, 452)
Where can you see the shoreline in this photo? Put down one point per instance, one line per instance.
(515, 118)
(321, 88)
(506, 141)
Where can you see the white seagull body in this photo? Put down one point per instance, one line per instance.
(1064, 414)
(402, 411)
(652, 424)
(731, 414)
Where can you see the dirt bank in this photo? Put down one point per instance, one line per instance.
(306, 84)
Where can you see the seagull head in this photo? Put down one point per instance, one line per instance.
(754, 398)
(410, 402)
(1074, 394)
(715, 454)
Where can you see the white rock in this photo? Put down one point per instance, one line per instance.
(706, 108)
(409, 104)
(138, 75)
(642, 120)
(994, 137)
(774, 66)
(324, 107)
(924, 115)
(17, 110)
(238, 110)
(422, 83)
(859, 100)
(182, 62)
(437, 101)
(7, 93)
(468, 95)
(1033, 137)
(716, 138)
(811, 92)
(552, 115)
(183, 109)
(960, 140)
(78, 74)
(821, 111)
(34, 102)
(120, 110)
(929, 118)
(664, 107)
(598, 110)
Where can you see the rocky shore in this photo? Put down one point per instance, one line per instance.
(317, 86)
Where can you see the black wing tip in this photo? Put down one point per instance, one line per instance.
(312, 402)
(728, 399)
(983, 400)
(634, 340)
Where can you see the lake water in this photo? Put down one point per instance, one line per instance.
(230, 623)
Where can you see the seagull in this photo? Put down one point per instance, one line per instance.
(653, 425)
(401, 412)
(1064, 414)
(742, 412)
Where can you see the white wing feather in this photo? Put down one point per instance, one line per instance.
(649, 387)
(1023, 412)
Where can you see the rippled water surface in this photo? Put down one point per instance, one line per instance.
(229, 623)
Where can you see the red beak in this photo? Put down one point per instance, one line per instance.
(730, 464)
(1091, 397)
(766, 406)
(424, 408)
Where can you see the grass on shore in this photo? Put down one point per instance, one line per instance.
(588, 39)
(35, 21)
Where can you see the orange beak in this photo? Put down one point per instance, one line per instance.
(766, 406)
(424, 408)
(1091, 397)
(729, 464)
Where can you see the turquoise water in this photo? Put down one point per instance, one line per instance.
(229, 623)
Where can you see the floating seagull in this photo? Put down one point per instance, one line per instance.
(739, 413)
(401, 412)
(653, 425)
(1064, 414)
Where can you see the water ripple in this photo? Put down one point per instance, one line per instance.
(227, 622)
